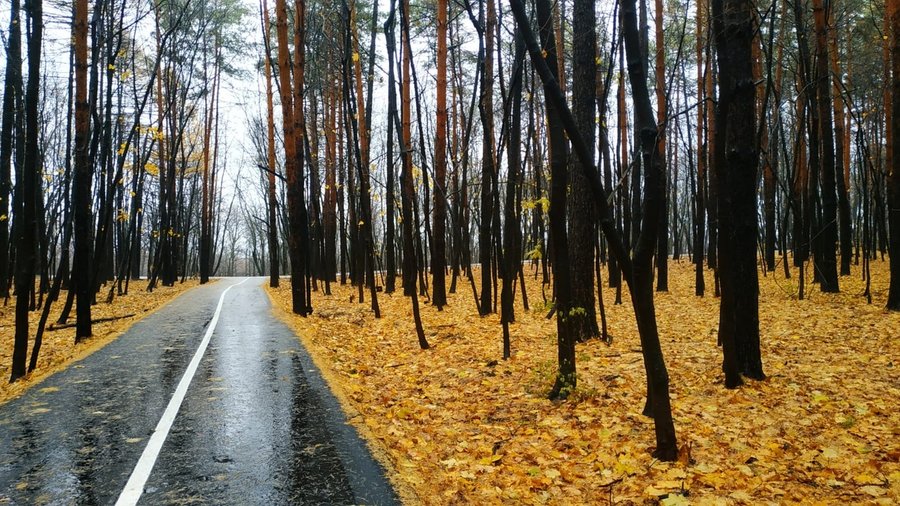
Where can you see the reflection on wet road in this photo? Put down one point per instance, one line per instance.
(257, 425)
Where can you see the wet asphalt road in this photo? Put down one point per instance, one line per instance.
(257, 426)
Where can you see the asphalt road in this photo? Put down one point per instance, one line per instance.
(257, 424)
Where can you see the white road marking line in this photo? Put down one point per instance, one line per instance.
(135, 486)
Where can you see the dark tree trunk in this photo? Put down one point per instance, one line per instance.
(366, 255)
(12, 93)
(841, 155)
(565, 338)
(511, 221)
(299, 218)
(662, 244)
(81, 185)
(829, 227)
(298, 277)
(272, 201)
(583, 317)
(640, 277)
(736, 162)
(390, 205)
(331, 191)
(769, 210)
(407, 193)
(486, 111)
(26, 242)
(893, 302)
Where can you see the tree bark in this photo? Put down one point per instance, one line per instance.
(12, 90)
(736, 162)
(298, 282)
(582, 229)
(662, 253)
(439, 242)
(81, 185)
(272, 201)
(26, 242)
(639, 274)
(893, 302)
(829, 227)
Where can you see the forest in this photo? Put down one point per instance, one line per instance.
(424, 158)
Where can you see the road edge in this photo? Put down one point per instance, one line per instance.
(405, 494)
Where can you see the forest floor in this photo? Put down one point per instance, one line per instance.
(456, 424)
(58, 349)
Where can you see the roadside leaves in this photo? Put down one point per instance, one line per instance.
(458, 425)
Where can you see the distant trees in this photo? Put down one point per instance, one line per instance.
(81, 146)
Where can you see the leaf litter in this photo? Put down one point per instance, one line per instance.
(456, 424)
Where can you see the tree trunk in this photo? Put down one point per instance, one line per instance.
(565, 339)
(26, 242)
(841, 155)
(298, 282)
(272, 201)
(81, 185)
(736, 162)
(639, 278)
(893, 302)
(296, 186)
(439, 243)
(582, 231)
(406, 178)
(389, 201)
(12, 90)
(511, 232)
(703, 67)
(486, 110)
(662, 253)
(829, 228)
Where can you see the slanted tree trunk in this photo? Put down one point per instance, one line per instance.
(407, 193)
(639, 277)
(365, 224)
